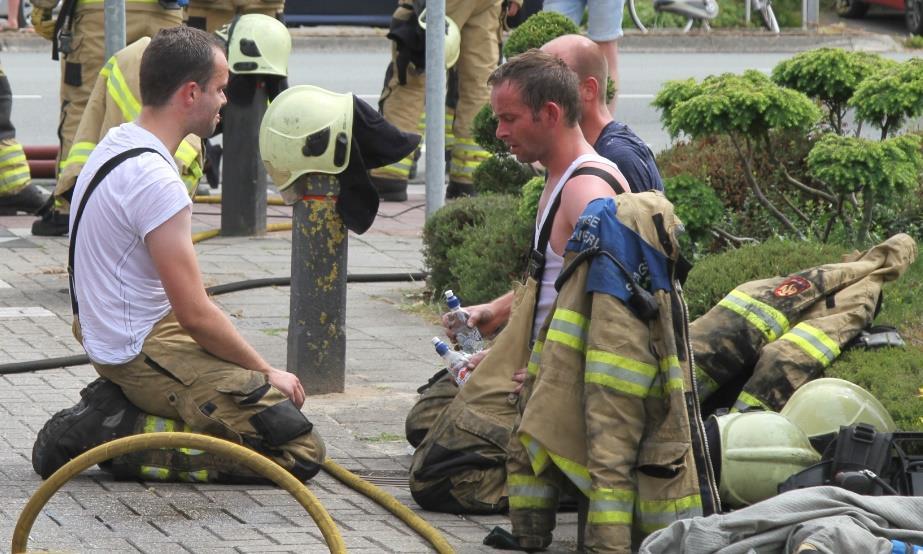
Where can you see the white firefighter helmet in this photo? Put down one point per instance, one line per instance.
(257, 44)
(759, 451)
(821, 406)
(452, 39)
(306, 129)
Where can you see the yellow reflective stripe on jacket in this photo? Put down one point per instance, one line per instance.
(538, 456)
(619, 373)
(119, 91)
(669, 367)
(569, 328)
(155, 473)
(579, 475)
(79, 153)
(705, 385)
(155, 424)
(815, 342)
(14, 169)
(530, 492)
(771, 322)
(746, 400)
(611, 506)
(657, 514)
(535, 357)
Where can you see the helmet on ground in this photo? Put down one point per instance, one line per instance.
(821, 406)
(257, 44)
(306, 129)
(759, 451)
(452, 39)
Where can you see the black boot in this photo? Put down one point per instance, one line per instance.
(390, 190)
(103, 414)
(29, 200)
(52, 224)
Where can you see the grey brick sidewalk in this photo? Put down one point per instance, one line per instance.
(388, 357)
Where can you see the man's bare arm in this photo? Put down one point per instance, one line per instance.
(171, 249)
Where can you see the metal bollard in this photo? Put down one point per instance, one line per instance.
(243, 177)
(316, 328)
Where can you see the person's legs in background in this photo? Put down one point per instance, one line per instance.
(604, 27)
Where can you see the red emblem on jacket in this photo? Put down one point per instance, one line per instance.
(792, 286)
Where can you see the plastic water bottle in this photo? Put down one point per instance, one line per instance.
(469, 338)
(456, 362)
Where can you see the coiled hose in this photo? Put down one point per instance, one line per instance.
(253, 460)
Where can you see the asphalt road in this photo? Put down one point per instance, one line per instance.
(34, 78)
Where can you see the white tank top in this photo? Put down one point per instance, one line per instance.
(553, 261)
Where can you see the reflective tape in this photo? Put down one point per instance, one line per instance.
(530, 492)
(610, 506)
(154, 473)
(14, 169)
(619, 373)
(79, 153)
(538, 456)
(705, 385)
(815, 342)
(578, 474)
(535, 358)
(669, 366)
(769, 321)
(746, 400)
(200, 476)
(657, 514)
(119, 91)
(569, 328)
(399, 170)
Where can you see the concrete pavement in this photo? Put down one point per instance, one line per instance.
(388, 356)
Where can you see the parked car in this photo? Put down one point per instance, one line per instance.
(373, 13)
(913, 10)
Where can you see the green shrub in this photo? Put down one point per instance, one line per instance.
(914, 42)
(536, 31)
(528, 203)
(476, 246)
(696, 204)
(501, 174)
(484, 131)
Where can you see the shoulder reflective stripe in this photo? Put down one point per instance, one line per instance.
(608, 506)
(706, 385)
(569, 328)
(746, 400)
(535, 358)
(657, 514)
(120, 93)
(771, 322)
(538, 456)
(619, 373)
(815, 342)
(670, 367)
(528, 491)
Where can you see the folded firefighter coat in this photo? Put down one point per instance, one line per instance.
(610, 400)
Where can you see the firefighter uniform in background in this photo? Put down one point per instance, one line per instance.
(773, 335)
(402, 98)
(609, 404)
(116, 99)
(211, 15)
(17, 193)
(81, 43)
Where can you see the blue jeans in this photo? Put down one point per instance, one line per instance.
(604, 21)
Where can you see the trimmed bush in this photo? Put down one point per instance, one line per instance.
(696, 204)
(501, 175)
(531, 192)
(484, 131)
(536, 31)
(476, 246)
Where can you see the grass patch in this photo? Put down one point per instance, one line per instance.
(914, 42)
(383, 437)
(275, 331)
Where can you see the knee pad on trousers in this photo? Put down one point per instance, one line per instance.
(281, 423)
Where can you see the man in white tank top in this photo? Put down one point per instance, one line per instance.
(546, 132)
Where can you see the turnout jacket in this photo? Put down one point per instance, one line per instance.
(610, 398)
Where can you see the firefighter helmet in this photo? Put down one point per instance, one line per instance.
(452, 39)
(306, 129)
(759, 451)
(821, 406)
(257, 43)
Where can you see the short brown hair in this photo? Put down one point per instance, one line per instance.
(542, 78)
(176, 56)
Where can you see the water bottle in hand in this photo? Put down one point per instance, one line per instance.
(456, 362)
(469, 338)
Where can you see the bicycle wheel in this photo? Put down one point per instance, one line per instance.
(633, 12)
(769, 17)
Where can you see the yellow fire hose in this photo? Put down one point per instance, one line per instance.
(212, 233)
(271, 201)
(253, 460)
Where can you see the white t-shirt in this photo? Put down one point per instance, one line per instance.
(119, 292)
